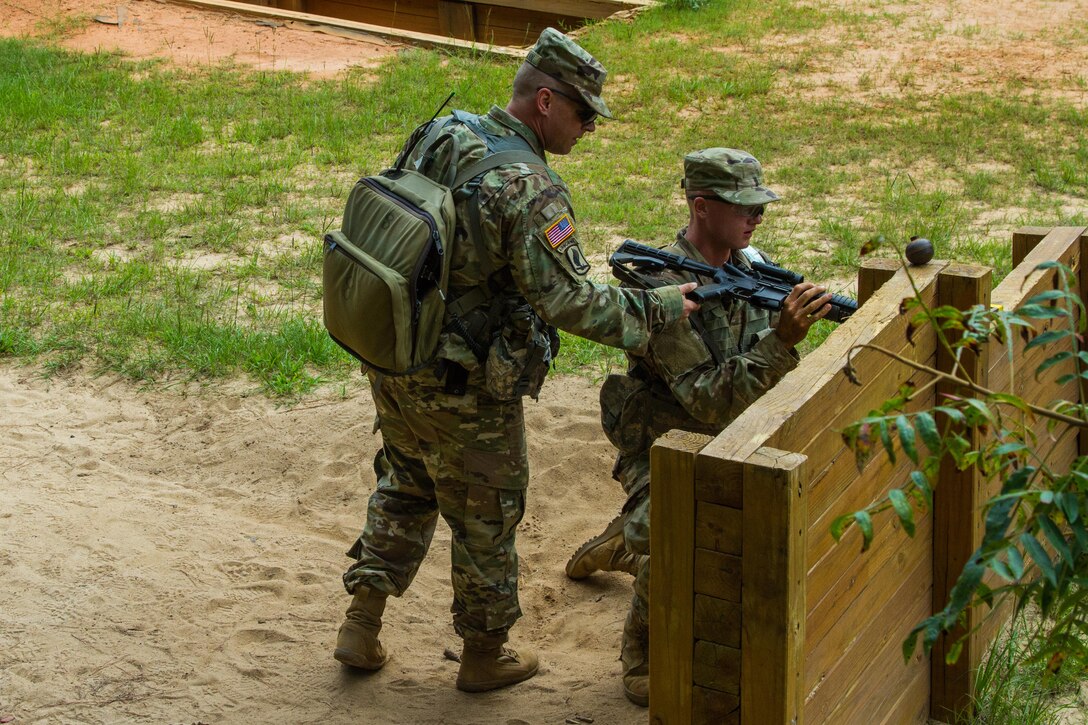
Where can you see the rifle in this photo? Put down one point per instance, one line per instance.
(766, 286)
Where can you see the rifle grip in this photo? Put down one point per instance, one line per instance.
(699, 295)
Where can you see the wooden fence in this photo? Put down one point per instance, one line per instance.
(756, 614)
(503, 26)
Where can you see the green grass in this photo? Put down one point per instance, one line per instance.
(1007, 692)
(165, 223)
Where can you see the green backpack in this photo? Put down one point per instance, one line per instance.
(386, 270)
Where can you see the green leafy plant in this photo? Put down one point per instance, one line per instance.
(1036, 536)
(1008, 694)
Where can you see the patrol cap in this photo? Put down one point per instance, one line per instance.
(734, 176)
(566, 61)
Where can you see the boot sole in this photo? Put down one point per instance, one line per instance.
(352, 659)
(640, 700)
(492, 684)
(614, 527)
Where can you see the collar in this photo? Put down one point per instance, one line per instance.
(503, 118)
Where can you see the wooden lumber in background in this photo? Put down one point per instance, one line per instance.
(341, 26)
(505, 25)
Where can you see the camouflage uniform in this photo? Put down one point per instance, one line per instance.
(459, 449)
(691, 380)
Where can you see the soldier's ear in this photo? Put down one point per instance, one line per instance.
(544, 99)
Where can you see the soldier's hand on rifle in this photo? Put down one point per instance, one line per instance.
(689, 305)
(805, 304)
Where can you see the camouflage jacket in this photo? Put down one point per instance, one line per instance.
(681, 383)
(530, 237)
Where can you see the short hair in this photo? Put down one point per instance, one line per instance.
(528, 79)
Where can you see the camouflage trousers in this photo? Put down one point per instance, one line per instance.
(633, 473)
(461, 456)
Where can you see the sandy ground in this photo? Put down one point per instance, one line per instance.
(173, 557)
(187, 35)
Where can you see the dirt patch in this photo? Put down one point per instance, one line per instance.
(958, 46)
(187, 36)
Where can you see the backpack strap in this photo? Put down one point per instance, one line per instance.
(501, 151)
(493, 161)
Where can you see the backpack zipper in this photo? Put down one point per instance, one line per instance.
(417, 306)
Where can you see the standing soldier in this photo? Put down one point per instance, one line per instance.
(697, 375)
(453, 435)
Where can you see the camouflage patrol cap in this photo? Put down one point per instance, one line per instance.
(566, 61)
(734, 176)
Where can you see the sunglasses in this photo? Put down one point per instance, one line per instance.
(750, 211)
(585, 114)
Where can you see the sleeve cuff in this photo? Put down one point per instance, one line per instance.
(776, 353)
(672, 303)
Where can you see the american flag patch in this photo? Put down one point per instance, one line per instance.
(559, 231)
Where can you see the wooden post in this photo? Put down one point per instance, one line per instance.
(872, 274)
(957, 515)
(672, 578)
(775, 520)
(1024, 240)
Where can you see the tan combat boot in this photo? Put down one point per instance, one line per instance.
(357, 642)
(487, 664)
(604, 552)
(635, 657)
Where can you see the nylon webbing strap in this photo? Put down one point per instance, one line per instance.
(475, 223)
(493, 161)
(468, 301)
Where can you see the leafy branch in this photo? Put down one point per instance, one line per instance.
(1035, 539)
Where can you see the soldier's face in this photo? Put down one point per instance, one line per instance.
(731, 225)
(568, 123)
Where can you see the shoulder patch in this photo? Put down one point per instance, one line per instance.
(560, 230)
(577, 260)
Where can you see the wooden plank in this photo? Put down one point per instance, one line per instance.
(912, 705)
(457, 19)
(836, 490)
(809, 418)
(848, 586)
(1024, 240)
(672, 555)
(717, 620)
(719, 708)
(722, 485)
(716, 667)
(718, 528)
(872, 274)
(828, 454)
(866, 678)
(793, 409)
(420, 16)
(573, 8)
(506, 26)
(773, 587)
(717, 574)
(1062, 244)
(427, 40)
(862, 618)
(296, 5)
(957, 503)
(852, 491)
